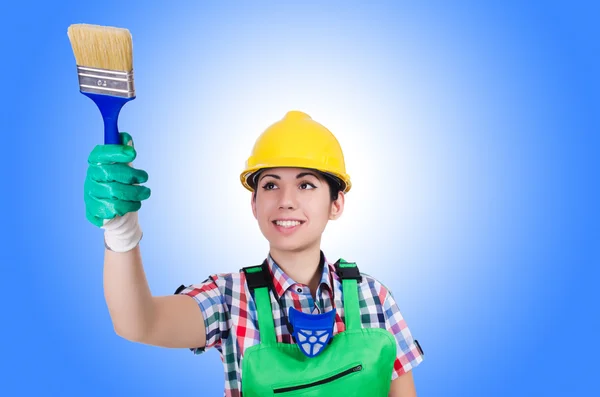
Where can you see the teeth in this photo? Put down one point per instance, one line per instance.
(287, 223)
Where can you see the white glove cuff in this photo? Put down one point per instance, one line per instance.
(122, 233)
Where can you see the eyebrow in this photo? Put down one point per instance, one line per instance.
(300, 175)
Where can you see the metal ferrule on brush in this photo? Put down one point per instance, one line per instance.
(106, 82)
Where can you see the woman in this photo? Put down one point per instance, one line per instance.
(295, 324)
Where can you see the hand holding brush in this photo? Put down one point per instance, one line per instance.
(112, 192)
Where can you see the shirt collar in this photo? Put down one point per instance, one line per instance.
(282, 282)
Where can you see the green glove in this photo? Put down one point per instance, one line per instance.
(111, 186)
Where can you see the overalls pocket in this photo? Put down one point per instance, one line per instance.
(337, 375)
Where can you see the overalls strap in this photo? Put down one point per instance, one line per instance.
(350, 275)
(257, 278)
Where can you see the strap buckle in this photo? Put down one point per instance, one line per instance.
(256, 277)
(347, 270)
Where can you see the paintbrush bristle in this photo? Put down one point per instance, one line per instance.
(101, 47)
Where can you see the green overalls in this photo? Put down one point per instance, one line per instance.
(357, 362)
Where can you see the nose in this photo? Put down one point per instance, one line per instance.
(287, 198)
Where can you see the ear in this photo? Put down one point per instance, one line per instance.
(253, 204)
(337, 207)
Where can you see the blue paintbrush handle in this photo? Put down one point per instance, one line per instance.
(109, 106)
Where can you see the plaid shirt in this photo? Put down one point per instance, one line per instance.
(231, 322)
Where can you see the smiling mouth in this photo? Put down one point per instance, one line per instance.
(287, 224)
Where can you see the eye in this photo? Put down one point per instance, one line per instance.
(269, 186)
(304, 186)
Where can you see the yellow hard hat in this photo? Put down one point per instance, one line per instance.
(297, 141)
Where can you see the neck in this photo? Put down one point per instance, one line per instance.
(301, 266)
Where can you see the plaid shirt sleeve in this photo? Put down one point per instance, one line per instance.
(211, 301)
(409, 353)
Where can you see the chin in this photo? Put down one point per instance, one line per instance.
(287, 246)
(290, 245)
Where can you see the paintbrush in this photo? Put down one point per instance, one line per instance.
(104, 57)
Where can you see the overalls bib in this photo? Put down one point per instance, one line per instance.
(357, 362)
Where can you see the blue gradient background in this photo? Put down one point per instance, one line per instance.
(470, 131)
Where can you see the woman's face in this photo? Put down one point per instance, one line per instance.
(293, 206)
